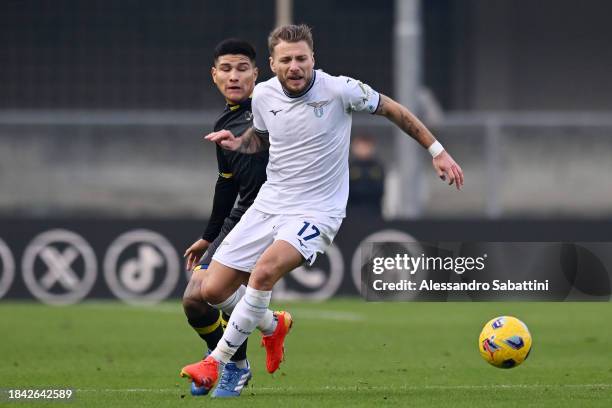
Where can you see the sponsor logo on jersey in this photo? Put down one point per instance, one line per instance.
(274, 112)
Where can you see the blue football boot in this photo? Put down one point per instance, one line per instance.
(199, 391)
(232, 381)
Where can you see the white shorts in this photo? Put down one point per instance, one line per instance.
(257, 230)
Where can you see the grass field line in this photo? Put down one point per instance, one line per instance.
(366, 387)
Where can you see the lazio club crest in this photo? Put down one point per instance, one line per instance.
(318, 107)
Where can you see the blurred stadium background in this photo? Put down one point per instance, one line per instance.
(103, 104)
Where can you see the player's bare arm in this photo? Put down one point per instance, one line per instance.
(250, 142)
(443, 163)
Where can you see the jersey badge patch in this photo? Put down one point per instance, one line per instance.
(318, 107)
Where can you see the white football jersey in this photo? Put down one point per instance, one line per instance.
(309, 143)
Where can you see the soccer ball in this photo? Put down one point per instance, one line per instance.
(504, 342)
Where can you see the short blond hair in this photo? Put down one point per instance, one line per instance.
(290, 33)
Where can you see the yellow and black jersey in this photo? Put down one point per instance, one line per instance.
(239, 174)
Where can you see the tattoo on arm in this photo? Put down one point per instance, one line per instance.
(405, 120)
(382, 105)
(251, 142)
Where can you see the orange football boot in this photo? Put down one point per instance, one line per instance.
(275, 343)
(204, 373)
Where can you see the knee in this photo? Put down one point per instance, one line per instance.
(192, 297)
(214, 295)
(194, 308)
(191, 303)
(265, 275)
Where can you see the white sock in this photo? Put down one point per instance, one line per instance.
(228, 305)
(247, 314)
(268, 323)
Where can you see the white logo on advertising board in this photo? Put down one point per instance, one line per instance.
(141, 266)
(316, 283)
(387, 236)
(59, 267)
(7, 268)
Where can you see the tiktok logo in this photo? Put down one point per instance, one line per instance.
(138, 274)
(141, 266)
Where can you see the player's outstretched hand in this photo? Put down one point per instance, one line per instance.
(195, 252)
(448, 169)
(224, 138)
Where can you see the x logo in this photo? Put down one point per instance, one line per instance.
(59, 267)
(47, 267)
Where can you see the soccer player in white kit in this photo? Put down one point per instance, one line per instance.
(304, 117)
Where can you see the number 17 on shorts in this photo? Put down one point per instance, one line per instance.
(310, 237)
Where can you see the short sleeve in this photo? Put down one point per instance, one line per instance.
(357, 96)
(256, 108)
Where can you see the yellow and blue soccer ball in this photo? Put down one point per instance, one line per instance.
(504, 342)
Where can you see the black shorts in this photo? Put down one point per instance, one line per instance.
(228, 224)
